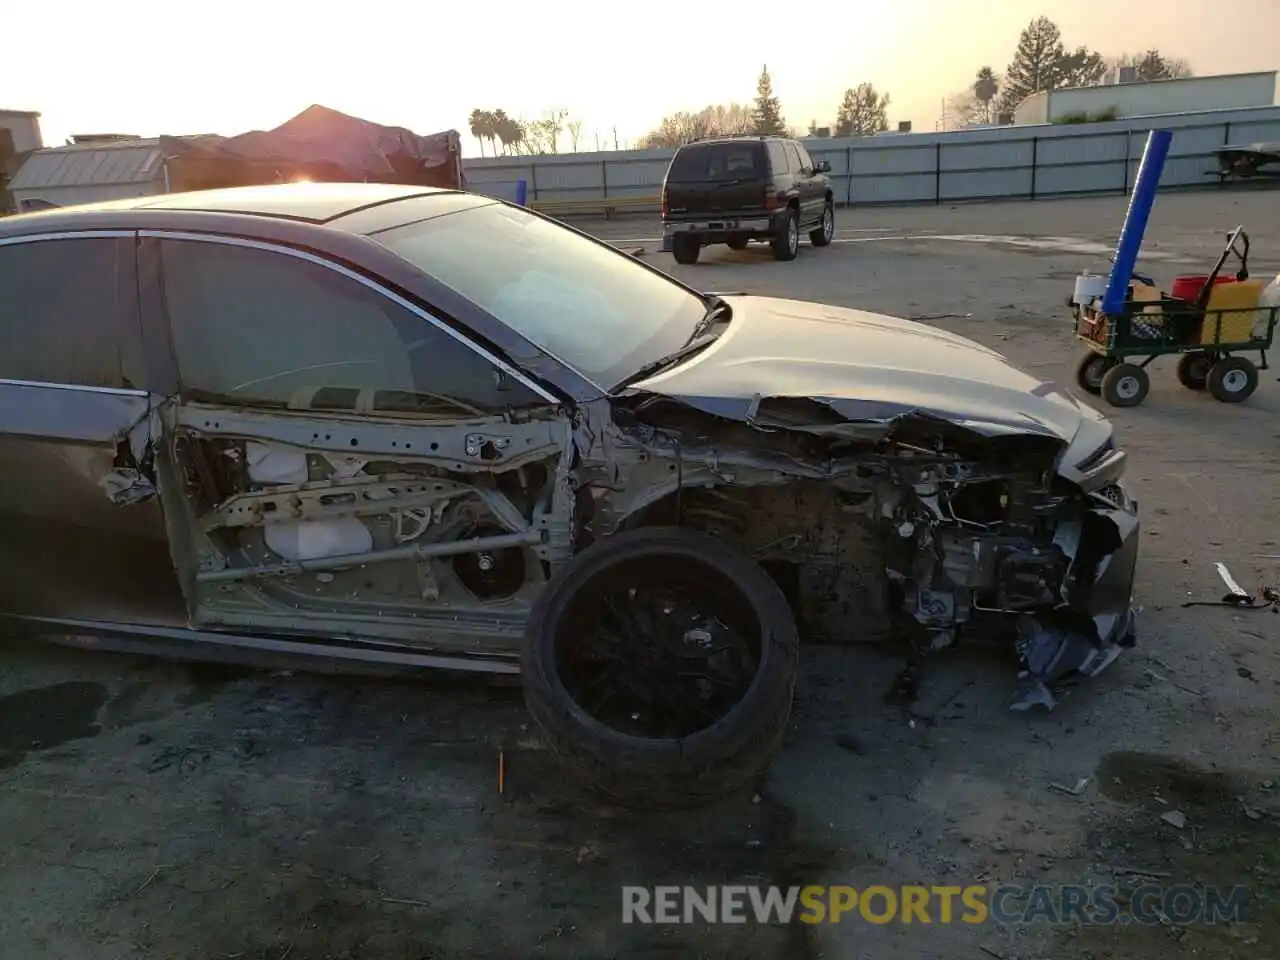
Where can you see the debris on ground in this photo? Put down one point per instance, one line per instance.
(1081, 786)
(1175, 818)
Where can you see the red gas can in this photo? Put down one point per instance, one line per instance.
(1188, 287)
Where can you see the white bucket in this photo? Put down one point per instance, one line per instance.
(1088, 286)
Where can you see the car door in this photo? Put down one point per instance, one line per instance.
(799, 184)
(810, 186)
(329, 447)
(81, 532)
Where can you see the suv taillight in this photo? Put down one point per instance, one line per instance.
(664, 201)
(770, 198)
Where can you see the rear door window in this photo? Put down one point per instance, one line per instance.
(793, 155)
(718, 161)
(777, 158)
(68, 311)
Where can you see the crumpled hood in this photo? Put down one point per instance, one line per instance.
(867, 368)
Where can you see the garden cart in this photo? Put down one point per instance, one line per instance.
(1207, 321)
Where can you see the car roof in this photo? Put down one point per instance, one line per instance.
(712, 141)
(312, 203)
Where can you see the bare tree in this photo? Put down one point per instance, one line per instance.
(724, 120)
(964, 109)
(1153, 65)
(575, 133)
(863, 111)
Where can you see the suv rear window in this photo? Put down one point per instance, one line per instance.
(717, 161)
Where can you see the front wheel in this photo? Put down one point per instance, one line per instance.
(685, 248)
(1125, 385)
(827, 229)
(1090, 370)
(1232, 379)
(786, 239)
(660, 666)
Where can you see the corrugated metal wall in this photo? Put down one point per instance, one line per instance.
(1001, 163)
(1232, 92)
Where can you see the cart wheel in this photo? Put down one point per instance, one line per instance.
(1125, 385)
(1090, 370)
(1193, 370)
(1232, 379)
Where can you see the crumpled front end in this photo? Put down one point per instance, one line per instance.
(973, 548)
(967, 531)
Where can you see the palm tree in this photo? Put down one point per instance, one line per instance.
(506, 130)
(481, 124)
(984, 91)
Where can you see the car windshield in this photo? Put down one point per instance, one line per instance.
(593, 308)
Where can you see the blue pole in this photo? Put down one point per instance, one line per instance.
(522, 192)
(1135, 221)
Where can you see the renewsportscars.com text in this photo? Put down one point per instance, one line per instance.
(1007, 904)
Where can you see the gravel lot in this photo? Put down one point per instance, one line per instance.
(159, 810)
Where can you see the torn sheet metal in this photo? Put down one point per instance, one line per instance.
(125, 486)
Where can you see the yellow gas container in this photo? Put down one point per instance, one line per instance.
(1241, 300)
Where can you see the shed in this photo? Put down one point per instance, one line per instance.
(1151, 98)
(88, 173)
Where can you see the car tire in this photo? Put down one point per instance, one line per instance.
(1193, 370)
(1090, 371)
(635, 768)
(1125, 385)
(1232, 379)
(737, 243)
(685, 248)
(786, 237)
(826, 231)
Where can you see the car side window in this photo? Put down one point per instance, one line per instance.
(806, 161)
(264, 328)
(794, 155)
(778, 159)
(64, 306)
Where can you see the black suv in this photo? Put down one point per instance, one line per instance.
(737, 189)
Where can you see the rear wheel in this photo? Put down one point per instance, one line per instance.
(1232, 379)
(786, 239)
(1125, 385)
(1090, 370)
(1193, 370)
(685, 248)
(737, 243)
(660, 666)
(826, 229)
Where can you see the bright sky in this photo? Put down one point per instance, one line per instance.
(151, 67)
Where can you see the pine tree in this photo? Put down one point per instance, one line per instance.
(1035, 62)
(768, 111)
(1041, 62)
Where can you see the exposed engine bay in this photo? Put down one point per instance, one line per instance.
(923, 530)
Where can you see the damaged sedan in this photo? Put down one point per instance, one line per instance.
(364, 426)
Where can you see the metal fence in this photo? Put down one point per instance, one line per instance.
(1006, 163)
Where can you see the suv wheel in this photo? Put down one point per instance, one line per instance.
(827, 229)
(685, 248)
(786, 241)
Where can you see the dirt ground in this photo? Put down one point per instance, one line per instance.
(153, 809)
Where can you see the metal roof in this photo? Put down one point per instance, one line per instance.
(89, 164)
(246, 209)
